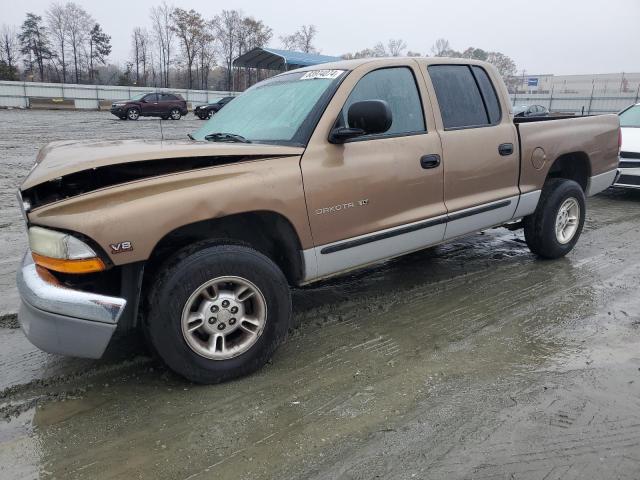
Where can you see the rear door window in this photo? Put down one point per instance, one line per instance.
(458, 96)
(466, 97)
(488, 94)
(396, 86)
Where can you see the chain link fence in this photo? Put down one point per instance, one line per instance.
(576, 94)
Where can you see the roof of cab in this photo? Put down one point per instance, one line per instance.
(354, 63)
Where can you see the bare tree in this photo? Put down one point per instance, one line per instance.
(206, 53)
(79, 23)
(189, 26)
(9, 50)
(396, 47)
(441, 48)
(379, 50)
(140, 47)
(227, 30)
(56, 17)
(301, 40)
(393, 48)
(161, 21)
(252, 34)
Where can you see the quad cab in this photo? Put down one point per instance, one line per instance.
(307, 175)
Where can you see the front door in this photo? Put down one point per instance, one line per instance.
(150, 105)
(480, 148)
(375, 196)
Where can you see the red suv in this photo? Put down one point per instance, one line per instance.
(164, 105)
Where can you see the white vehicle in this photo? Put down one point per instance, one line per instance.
(630, 151)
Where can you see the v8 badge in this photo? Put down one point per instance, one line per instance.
(121, 247)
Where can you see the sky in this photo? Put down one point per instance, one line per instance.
(541, 36)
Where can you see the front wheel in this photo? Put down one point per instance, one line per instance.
(218, 312)
(133, 114)
(175, 114)
(554, 228)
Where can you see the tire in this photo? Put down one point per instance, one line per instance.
(133, 114)
(209, 115)
(543, 236)
(174, 114)
(198, 355)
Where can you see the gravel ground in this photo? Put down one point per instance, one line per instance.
(469, 360)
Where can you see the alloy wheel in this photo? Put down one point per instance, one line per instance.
(224, 317)
(567, 220)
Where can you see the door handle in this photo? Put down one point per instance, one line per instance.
(430, 161)
(505, 149)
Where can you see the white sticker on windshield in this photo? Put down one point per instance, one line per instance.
(324, 74)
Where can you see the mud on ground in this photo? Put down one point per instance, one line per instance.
(469, 360)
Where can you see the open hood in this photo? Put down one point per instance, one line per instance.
(67, 169)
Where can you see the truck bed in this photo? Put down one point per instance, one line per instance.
(588, 140)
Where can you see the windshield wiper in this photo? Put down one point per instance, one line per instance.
(226, 137)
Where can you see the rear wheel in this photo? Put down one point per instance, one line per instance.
(554, 228)
(209, 114)
(175, 114)
(133, 114)
(218, 312)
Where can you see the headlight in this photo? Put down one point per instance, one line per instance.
(62, 252)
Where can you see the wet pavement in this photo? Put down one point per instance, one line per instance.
(469, 360)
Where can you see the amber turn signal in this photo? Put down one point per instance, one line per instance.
(85, 265)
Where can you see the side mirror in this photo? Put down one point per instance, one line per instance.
(365, 118)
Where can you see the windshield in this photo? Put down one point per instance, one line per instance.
(275, 110)
(139, 96)
(520, 108)
(630, 117)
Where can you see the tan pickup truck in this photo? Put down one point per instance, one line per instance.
(306, 175)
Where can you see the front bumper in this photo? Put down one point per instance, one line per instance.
(61, 320)
(118, 111)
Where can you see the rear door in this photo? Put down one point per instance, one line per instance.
(480, 148)
(166, 101)
(372, 197)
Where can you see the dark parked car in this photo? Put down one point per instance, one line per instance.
(530, 111)
(206, 111)
(163, 105)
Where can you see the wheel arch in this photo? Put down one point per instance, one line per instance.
(574, 166)
(269, 232)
